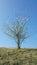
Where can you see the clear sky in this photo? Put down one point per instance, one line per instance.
(12, 8)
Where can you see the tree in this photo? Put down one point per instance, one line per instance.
(18, 30)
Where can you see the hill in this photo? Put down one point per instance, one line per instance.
(15, 56)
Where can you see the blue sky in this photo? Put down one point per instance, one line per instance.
(9, 9)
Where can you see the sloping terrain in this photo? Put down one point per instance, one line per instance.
(18, 56)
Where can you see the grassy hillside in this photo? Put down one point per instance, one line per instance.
(18, 56)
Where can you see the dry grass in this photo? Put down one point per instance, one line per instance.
(15, 56)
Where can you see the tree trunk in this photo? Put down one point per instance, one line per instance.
(18, 43)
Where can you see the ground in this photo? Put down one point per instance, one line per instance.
(14, 56)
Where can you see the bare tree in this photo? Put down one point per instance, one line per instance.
(18, 30)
